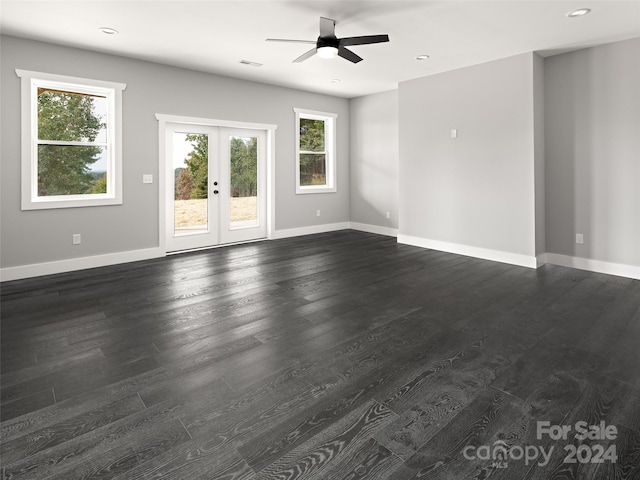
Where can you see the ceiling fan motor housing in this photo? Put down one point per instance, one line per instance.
(328, 42)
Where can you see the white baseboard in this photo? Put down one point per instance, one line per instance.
(598, 266)
(296, 232)
(365, 227)
(72, 264)
(470, 251)
(332, 227)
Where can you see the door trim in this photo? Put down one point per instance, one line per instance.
(164, 119)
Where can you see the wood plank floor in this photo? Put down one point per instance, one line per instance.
(332, 356)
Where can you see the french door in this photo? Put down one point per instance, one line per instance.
(215, 184)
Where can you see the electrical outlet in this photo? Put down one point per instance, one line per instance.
(147, 178)
(579, 238)
(317, 213)
(76, 239)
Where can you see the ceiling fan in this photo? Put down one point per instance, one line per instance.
(330, 46)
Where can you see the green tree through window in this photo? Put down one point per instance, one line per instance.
(192, 181)
(197, 166)
(71, 134)
(65, 169)
(312, 152)
(244, 166)
(315, 151)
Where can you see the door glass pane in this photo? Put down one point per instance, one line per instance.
(191, 171)
(244, 181)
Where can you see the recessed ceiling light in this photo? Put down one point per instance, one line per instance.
(335, 80)
(422, 57)
(108, 30)
(578, 13)
(250, 63)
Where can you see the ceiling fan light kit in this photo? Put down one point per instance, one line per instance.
(329, 46)
(327, 52)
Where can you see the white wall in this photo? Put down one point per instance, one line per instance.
(374, 161)
(592, 132)
(473, 194)
(34, 237)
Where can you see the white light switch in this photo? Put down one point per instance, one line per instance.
(147, 178)
(454, 133)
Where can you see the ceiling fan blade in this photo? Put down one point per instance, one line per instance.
(349, 55)
(327, 27)
(364, 40)
(290, 41)
(304, 56)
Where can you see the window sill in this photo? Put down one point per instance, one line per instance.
(307, 190)
(50, 203)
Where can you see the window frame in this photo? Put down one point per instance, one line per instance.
(112, 91)
(330, 120)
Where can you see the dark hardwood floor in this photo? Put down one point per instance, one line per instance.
(333, 356)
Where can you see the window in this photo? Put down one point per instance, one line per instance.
(315, 151)
(71, 141)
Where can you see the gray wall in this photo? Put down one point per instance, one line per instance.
(523, 176)
(44, 236)
(592, 132)
(374, 159)
(478, 189)
(538, 152)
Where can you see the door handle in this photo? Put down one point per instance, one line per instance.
(215, 192)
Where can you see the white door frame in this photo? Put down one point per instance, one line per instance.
(163, 119)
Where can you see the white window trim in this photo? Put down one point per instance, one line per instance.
(330, 150)
(30, 81)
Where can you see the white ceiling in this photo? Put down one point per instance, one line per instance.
(213, 36)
